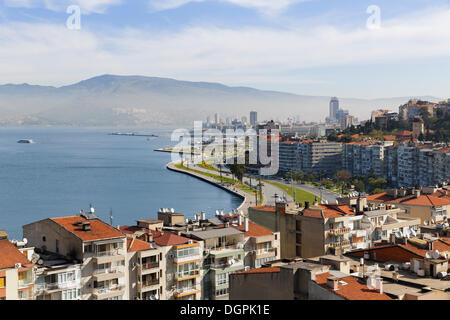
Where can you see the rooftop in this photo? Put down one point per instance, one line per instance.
(260, 271)
(254, 230)
(168, 239)
(99, 229)
(215, 233)
(352, 289)
(10, 255)
(134, 245)
(422, 200)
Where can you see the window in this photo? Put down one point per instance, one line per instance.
(2, 282)
(222, 292)
(57, 246)
(88, 248)
(221, 279)
(71, 294)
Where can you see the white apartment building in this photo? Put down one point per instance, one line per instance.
(99, 248)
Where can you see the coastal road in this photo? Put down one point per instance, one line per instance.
(324, 193)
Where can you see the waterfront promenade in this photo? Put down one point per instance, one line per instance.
(248, 199)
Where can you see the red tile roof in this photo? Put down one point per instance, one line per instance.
(328, 211)
(10, 255)
(260, 271)
(134, 245)
(132, 229)
(265, 208)
(399, 252)
(254, 230)
(168, 239)
(99, 229)
(353, 290)
(422, 200)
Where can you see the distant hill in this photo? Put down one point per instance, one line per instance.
(110, 100)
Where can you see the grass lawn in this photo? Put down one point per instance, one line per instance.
(230, 181)
(300, 195)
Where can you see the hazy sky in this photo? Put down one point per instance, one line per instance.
(314, 47)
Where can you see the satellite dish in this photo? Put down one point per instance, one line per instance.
(445, 255)
(428, 255)
(436, 254)
(172, 210)
(413, 233)
(326, 201)
(398, 234)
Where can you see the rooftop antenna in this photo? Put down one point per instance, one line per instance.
(110, 217)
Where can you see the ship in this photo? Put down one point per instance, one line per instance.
(25, 141)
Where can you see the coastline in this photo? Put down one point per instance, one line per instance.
(247, 202)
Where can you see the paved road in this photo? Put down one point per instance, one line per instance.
(325, 194)
(268, 190)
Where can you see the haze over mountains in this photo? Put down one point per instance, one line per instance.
(137, 101)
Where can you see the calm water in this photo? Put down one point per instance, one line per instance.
(67, 169)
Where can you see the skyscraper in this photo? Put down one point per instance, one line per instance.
(334, 107)
(253, 118)
(216, 118)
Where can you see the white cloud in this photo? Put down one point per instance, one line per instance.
(50, 54)
(265, 6)
(87, 6)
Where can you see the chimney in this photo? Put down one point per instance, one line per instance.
(379, 286)
(227, 224)
(332, 282)
(417, 193)
(431, 245)
(203, 216)
(240, 220)
(246, 224)
(118, 227)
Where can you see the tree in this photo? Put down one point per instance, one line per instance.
(341, 176)
(237, 170)
(359, 185)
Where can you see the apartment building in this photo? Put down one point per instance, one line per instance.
(364, 158)
(289, 157)
(99, 248)
(260, 244)
(423, 204)
(57, 278)
(414, 108)
(321, 278)
(16, 271)
(223, 253)
(172, 270)
(146, 270)
(321, 156)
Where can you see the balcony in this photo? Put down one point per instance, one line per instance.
(340, 244)
(25, 283)
(104, 293)
(179, 276)
(56, 286)
(148, 285)
(109, 256)
(339, 231)
(108, 273)
(265, 253)
(228, 265)
(188, 258)
(186, 291)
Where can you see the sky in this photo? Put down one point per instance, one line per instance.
(344, 48)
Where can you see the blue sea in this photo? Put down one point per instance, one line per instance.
(67, 169)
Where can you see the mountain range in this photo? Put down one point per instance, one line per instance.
(138, 101)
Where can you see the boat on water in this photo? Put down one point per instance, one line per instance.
(25, 141)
